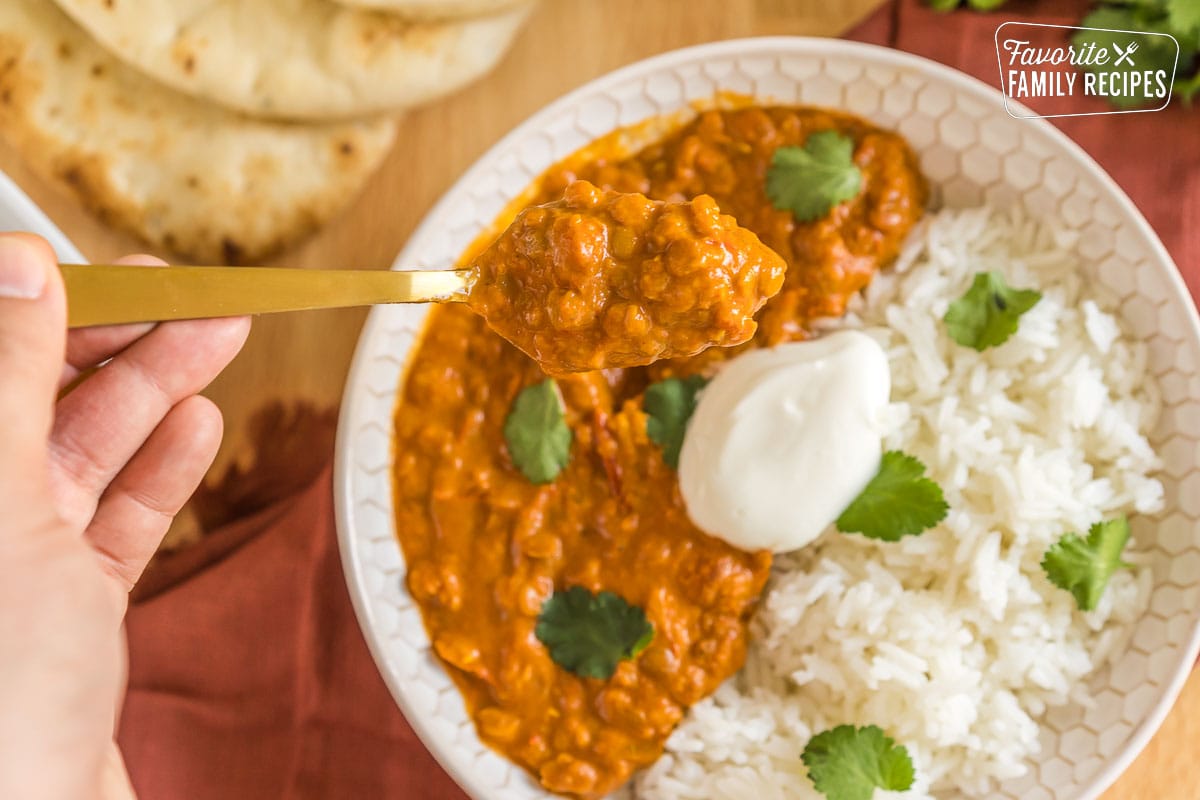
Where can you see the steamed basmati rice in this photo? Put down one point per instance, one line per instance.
(953, 642)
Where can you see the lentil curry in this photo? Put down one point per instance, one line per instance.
(486, 547)
(602, 279)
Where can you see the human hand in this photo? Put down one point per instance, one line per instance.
(88, 488)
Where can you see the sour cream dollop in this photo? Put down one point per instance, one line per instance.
(782, 440)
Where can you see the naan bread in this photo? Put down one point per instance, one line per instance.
(434, 9)
(297, 59)
(188, 176)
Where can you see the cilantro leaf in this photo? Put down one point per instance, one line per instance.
(669, 404)
(812, 179)
(1184, 16)
(989, 312)
(590, 634)
(899, 501)
(539, 441)
(1153, 52)
(849, 763)
(1083, 566)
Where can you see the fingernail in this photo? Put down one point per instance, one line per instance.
(22, 273)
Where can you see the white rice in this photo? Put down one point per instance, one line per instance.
(953, 641)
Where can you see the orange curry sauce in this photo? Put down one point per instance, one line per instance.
(485, 547)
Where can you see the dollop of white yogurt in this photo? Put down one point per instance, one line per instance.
(782, 440)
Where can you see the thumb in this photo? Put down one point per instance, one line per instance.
(114, 780)
(32, 344)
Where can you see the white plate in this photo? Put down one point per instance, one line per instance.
(18, 213)
(972, 151)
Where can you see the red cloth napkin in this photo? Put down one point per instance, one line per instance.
(249, 678)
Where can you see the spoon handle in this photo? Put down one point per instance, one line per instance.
(102, 294)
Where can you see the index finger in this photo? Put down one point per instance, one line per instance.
(88, 347)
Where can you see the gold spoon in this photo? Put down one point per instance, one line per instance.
(566, 283)
(104, 294)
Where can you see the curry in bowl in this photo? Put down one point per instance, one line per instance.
(572, 589)
(486, 546)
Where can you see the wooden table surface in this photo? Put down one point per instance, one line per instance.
(304, 357)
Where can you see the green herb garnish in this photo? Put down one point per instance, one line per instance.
(812, 179)
(669, 404)
(1179, 18)
(989, 312)
(1184, 17)
(899, 501)
(539, 441)
(1083, 566)
(590, 634)
(849, 763)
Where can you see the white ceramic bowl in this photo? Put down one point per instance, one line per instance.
(18, 213)
(972, 151)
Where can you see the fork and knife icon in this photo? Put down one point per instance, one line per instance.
(1126, 54)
